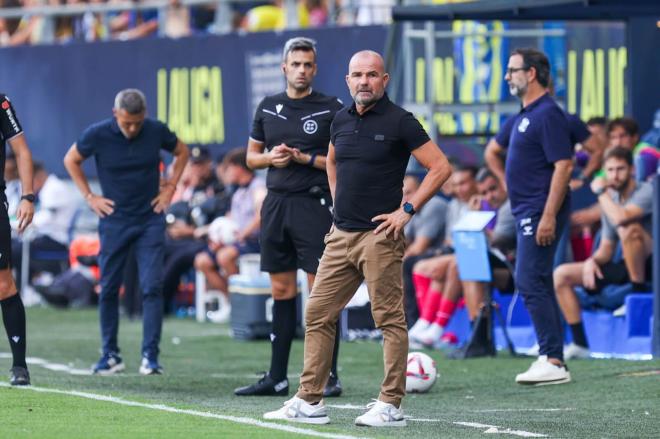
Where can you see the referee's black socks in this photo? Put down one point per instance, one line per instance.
(13, 315)
(284, 329)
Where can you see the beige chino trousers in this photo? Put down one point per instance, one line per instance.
(348, 259)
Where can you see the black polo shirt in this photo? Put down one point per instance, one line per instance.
(128, 169)
(540, 136)
(299, 123)
(372, 151)
(9, 128)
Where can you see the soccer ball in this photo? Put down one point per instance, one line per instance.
(223, 230)
(421, 373)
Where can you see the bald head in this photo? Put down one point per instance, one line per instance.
(366, 78)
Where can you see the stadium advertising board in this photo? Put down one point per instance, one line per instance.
(205, 88)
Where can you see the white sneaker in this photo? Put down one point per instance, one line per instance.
(543, 372)
(419, 326)
(573, 351)
(381, 414)
(533, 351)
(299, 410)
(430, 335)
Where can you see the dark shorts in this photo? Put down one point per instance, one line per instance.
(5, 235)
(292, 231)
(616, 273)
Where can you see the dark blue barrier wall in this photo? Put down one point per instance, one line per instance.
(205, 88)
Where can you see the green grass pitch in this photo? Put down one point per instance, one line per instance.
(607, 398)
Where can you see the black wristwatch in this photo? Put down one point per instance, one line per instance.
(409, 209)
(29, 197)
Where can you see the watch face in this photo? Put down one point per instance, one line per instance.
(28, 197)
(408, 208)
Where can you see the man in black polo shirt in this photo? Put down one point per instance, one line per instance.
(538, 169)
(13, 312)
(371, 143)
(294, 128)
(126, 150)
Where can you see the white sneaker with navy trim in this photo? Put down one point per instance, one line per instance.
(299, 410)
(543, 372)
(381, 414)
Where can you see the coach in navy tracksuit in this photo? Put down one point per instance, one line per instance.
(538, 169)
(126, 149)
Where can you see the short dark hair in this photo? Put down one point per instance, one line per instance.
(597, 120)
(483, 174)
(299, 43)
(619, 152)
(538, 60)
(466, 168)
(237, 157)
(627, 123)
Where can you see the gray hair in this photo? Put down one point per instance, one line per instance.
(299, 43)
(131, 100)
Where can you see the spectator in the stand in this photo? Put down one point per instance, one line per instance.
(502, 243)
(652, 136)
(177, 20)
(199, 198)
(626, 218)
(130, 25)
(424, 238)
(273, 16)
(55, 208)
(436, 279)
(594, 146)
(624, 132)
(219, 262)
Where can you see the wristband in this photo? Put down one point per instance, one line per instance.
(599, 192)
(311, 160)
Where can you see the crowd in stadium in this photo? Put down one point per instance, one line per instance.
(174, 21)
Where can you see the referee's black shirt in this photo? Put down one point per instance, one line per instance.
(299, 123)
(372, 152)
(9, 127)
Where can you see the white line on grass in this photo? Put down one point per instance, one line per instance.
(493, 429)
(489, 428)
(165, 408)
(57, 367)
(523, 410)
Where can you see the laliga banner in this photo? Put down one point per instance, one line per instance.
(205, 88)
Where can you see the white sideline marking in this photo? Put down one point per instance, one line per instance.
(489, 428)
(523, 410)
(57, 367)
(493, 429)
(165, 408)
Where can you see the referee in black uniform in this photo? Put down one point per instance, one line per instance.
(294, 127)
(13, 312)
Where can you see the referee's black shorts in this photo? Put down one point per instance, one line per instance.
(292, 230)
(5, 234)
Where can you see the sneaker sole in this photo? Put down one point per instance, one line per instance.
(545, 383)
(316, 421)
(401, 423)
(113, 370)
(146, 372)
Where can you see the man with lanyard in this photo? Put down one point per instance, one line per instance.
(294, 126)
(371, 144)
(13, 312)
(538, 169)
(126, 150)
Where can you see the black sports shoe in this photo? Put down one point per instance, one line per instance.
(333, 387)
(19, 376)
(266, 386)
